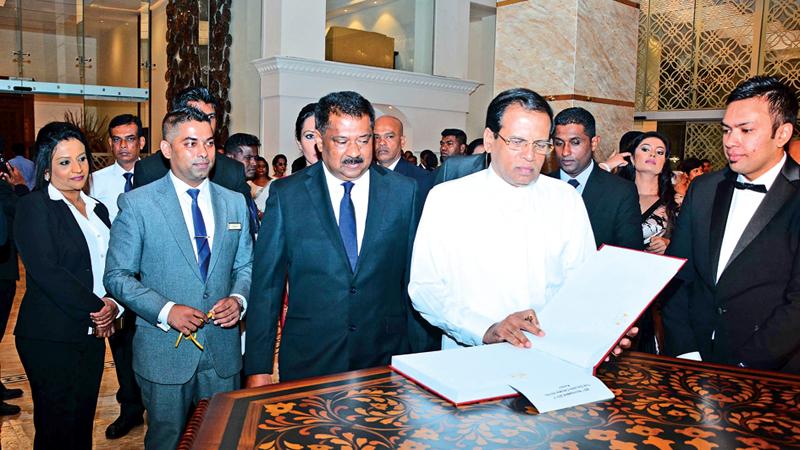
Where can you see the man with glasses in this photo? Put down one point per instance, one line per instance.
(126, 140)
(482, 288)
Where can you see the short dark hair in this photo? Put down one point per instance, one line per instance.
(234, 142)
(193, 94)
(473, 145)
(689, 164)
(460, 136)
(782, 101)
(125, 119)
(347, 103)
(578, 116)
(526, 98)
(179, 116)
(47, 139)
(278, 157)
(305, 113)
(429, 158)
(705, 160)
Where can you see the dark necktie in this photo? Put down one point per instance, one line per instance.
(200, 235)
(347, 225)
(128, 181)
(253, 210)
(574, 183)
(750, 186)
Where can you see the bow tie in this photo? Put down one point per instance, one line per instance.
(750, 186)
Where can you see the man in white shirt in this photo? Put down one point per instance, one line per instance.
(126, 141)
(389, 143)
(107, 184)
(180, 257)
(484, 287)
(739, 302)
(341, 233)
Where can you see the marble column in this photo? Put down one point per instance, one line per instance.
(575, 53)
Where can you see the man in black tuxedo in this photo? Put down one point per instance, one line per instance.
(227, 172)
(612, 202)
(389, 143)
(341, 232)
(739, 302)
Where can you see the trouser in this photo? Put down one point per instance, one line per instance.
(65, 380)
(8, 288)
(129, 395)
(168, 404)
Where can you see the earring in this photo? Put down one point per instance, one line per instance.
(47, 177)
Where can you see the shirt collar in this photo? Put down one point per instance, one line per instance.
(56, 195)
(769, 177)
(393, 165)
(121, 169)
(335, 184)
(582, 177)
(498, 182)
(181, 187)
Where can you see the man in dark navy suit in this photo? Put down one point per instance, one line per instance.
(389, 143)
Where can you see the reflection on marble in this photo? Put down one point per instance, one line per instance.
(605, 59)
(535, 46)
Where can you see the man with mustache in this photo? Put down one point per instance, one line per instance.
(341, 233)
(611, 202)
(389, 143)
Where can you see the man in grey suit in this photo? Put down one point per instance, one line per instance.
(180, 256)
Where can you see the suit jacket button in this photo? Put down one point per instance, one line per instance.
(352, 328)
(205, 295)
(722, 310)
(353, 290)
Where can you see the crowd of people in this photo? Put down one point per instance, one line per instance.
(365, 252)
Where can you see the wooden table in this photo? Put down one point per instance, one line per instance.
(660, 403)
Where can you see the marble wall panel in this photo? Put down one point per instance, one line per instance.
(535, 46)
(606, 46)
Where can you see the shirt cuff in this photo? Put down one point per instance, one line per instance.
(694, 356)
(120, 308)
(242, 304)
(163, 316)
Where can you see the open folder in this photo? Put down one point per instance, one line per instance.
(583, 323)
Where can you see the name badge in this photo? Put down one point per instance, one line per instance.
(234, 226)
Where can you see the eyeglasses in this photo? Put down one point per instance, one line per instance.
(130, 140)
(541, 147)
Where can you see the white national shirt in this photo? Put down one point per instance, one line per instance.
(485, 249)
(107, 184)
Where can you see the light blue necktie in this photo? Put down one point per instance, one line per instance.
(200, 235)
(347, 225)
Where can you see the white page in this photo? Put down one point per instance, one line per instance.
(600, 301)
(562, 385)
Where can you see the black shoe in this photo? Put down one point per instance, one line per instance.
(7, 409)
(9, 394)
(122, 426)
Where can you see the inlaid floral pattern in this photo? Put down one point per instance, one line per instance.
(657, 405)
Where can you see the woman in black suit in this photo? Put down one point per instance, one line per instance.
(62, 236)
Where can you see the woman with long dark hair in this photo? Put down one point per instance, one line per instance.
(304, 127)
(62, 235)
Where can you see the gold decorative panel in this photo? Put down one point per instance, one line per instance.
(692, 53)
(782, 41)
(704, 141)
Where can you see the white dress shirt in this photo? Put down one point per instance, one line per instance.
(393, 165)
(204, 203)
(744, 204)
(107, 184)
(582, 177)
(359, 194)
(96, 234)
(485, 249)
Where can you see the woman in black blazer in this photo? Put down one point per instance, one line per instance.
(62, 237)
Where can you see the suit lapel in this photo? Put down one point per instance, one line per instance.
(378, 199)
(220, 224)
(317, 189)
(591, 189)
(781, 191)
(719, 218)
(173, 215)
